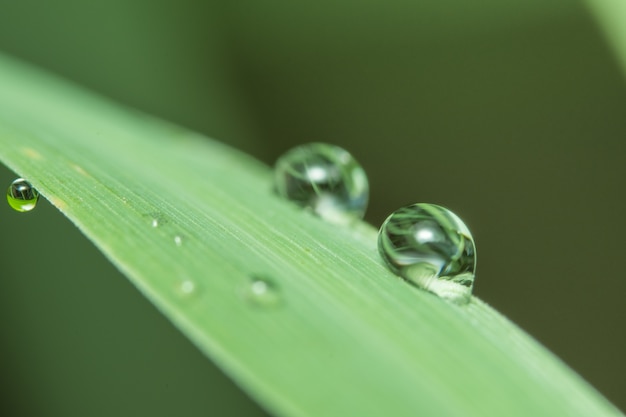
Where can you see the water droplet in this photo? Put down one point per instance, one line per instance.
(262, 292)
(178, 240)
(324, 178)
(187, 288)
(156, 219)
(431, 247)
(22, 196)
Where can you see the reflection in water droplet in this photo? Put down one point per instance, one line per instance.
(431, 247)
(178, 240)
(325, 179)
(21, 195)
(262, 292)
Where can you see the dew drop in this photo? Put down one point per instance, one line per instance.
(178, 240)
(187, 287)
(324, 178)
(156, 219)
(261, 292)
(431, 247)
(22, 196)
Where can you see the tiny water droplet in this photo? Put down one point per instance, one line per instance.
(178, 240)
(262, 292)
(22, 196)
(187, 288)
(156, 219)
(431, 247)
(324, 178)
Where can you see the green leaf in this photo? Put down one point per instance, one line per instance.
(192, 223)
(611, 15)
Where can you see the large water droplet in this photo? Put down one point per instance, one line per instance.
(262, 292)
(324, 178)
(431, 247)
(22, 196)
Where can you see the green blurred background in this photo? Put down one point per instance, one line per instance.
(510, 113)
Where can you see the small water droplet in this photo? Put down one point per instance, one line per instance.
(431, 247)
(324, 178)
(187, 287)
(262, 292)
(178, 240)
(156, 219)
(22, 196)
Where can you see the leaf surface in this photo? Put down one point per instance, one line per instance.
(192, 223)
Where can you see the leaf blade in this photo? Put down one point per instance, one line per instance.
(349, 338)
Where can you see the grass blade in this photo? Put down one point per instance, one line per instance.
(611, 14)
(191, 222)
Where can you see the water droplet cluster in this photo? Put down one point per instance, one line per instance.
(21, 195)
(425, 244)
(431, 247)
(325, 179)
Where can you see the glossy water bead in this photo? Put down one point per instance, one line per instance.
(324, 178)
(22, 196)
(431, 247)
